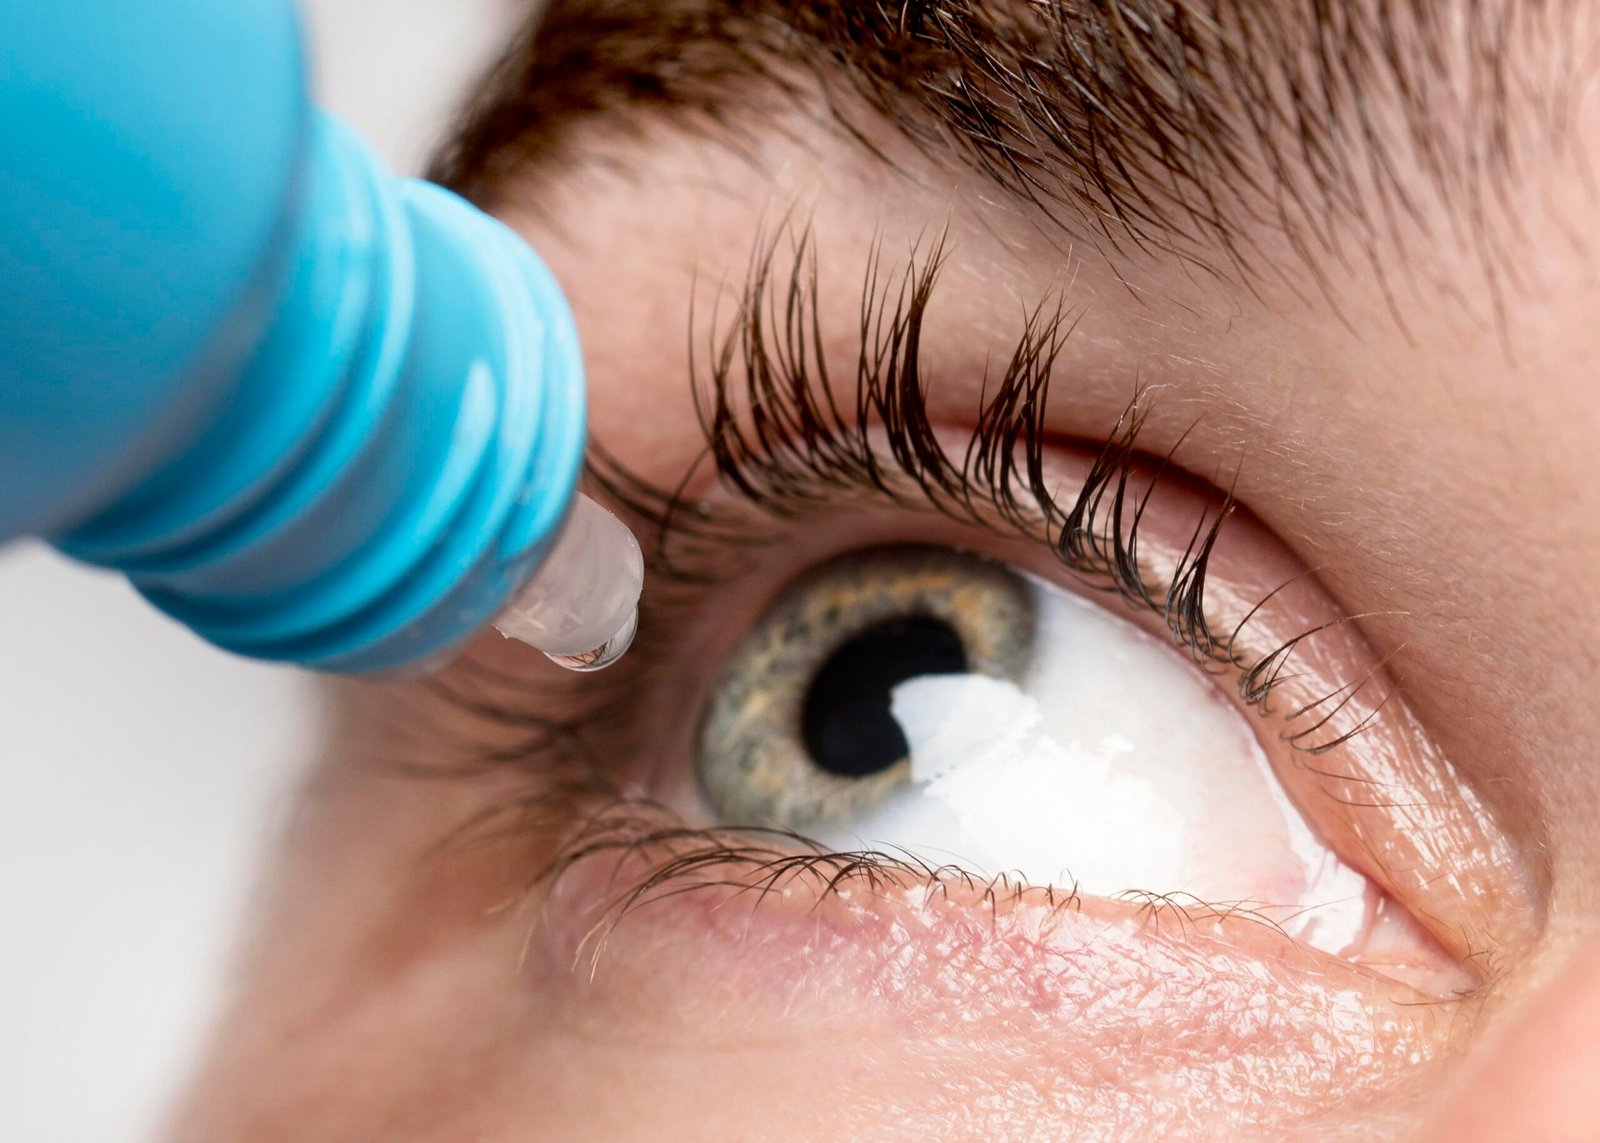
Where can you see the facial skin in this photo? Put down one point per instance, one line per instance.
(1381, 341)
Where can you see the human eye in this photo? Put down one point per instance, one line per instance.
(968, 722)
(963, 714)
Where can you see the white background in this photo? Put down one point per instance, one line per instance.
(143, 772)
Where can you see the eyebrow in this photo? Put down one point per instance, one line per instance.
(1200, 128)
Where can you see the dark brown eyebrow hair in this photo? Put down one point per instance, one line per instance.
(1189, 127)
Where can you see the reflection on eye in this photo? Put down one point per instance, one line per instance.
(932, 701)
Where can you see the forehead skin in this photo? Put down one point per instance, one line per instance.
(1389, 336)
(1178, 125)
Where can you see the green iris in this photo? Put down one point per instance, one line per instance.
(798, 733)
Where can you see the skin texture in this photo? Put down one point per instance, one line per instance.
(1412, 421)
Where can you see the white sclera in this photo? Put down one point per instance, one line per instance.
(581, 606)
(1115, 764)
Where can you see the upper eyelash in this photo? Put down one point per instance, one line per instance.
(778, 436)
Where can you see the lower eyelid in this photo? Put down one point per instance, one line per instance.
(621, 925)
(630, 856)
(750, 939)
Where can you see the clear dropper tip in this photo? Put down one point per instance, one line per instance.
(581, 608)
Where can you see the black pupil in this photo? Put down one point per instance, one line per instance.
(846, 722)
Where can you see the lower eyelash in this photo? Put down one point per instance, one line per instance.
(675, 859)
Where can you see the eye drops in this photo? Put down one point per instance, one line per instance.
(581, 608)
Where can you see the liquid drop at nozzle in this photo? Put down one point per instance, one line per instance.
(604, 655)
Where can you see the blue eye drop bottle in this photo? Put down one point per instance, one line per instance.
(317, 413)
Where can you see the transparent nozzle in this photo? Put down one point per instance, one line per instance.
(581, 608)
